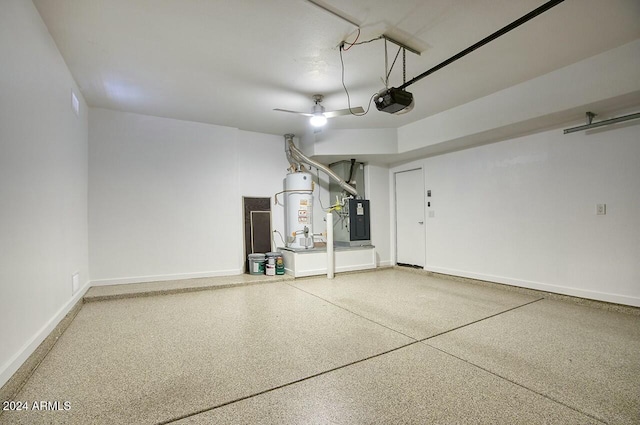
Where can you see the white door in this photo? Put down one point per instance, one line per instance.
(410, 230)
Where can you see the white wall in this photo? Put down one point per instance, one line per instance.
(354, 141)
(43, 185)
(166, 195)
(378, 192)
(263, 167)
(541, 102)
(522, 212)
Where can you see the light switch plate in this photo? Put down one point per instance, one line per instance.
(75, 282)
(75, 104)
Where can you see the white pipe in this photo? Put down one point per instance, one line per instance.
(330, 259)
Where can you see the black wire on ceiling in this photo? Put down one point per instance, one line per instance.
(347, 91)
(356, 43)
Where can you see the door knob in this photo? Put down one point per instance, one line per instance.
(421, 222)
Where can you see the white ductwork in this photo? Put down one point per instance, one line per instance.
(296, 157)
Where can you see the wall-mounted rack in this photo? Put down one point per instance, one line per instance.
(590, 124)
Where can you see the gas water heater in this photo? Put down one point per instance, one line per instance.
(299, 209)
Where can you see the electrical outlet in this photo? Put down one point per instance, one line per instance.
(601, 209)
(75, 282)
(75, 104)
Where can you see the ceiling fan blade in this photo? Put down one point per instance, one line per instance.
(340, 112)
(294, 112)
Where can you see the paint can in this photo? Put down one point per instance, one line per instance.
(270, 265)
(279, 264)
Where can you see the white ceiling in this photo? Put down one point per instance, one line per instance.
(232, 62)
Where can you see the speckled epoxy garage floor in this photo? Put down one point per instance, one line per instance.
(390, 346)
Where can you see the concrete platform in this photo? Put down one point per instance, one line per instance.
(313, 262)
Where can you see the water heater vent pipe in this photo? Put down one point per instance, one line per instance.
(295, 155)
(294, 165)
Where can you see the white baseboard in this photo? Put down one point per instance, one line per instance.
(387, 263)
(13, 364)
(159, 278)
(558, 289)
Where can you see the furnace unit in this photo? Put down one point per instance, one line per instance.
(351, 225)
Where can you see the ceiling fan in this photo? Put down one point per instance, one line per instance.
(319, 115)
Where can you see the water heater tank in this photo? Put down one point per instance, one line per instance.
(299, 209)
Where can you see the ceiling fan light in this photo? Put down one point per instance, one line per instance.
(318, 120)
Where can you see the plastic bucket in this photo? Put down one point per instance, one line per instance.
(256, 263)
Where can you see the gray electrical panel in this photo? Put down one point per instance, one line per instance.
(359, 226)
